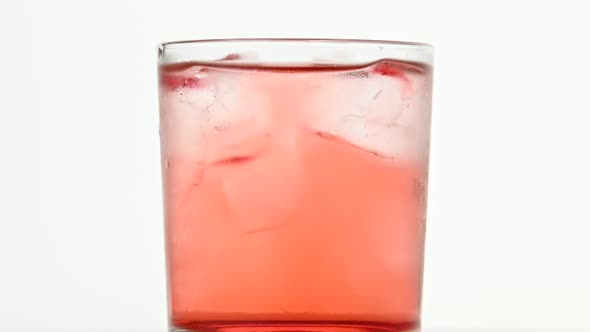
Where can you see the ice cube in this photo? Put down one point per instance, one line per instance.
(374, 109)
(239, 122)
(262, 191)
(211, 115)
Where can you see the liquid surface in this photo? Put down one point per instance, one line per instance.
(295, 197)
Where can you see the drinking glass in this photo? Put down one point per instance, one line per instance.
(294, 180)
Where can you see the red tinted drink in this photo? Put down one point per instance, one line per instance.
(295, 195)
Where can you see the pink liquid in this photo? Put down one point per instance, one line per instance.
(295, 197)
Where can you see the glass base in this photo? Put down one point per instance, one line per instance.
(295, 326)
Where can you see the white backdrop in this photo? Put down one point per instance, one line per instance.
(81, 245)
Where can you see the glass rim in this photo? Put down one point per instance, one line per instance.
(366, 49)
(299, 40)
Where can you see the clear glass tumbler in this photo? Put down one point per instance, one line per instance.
(294, 176)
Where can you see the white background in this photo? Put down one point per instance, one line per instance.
(81, 245)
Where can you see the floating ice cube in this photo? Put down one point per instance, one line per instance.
(376, 111)
(214, 115)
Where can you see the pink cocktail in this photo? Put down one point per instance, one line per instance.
(294, 186)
